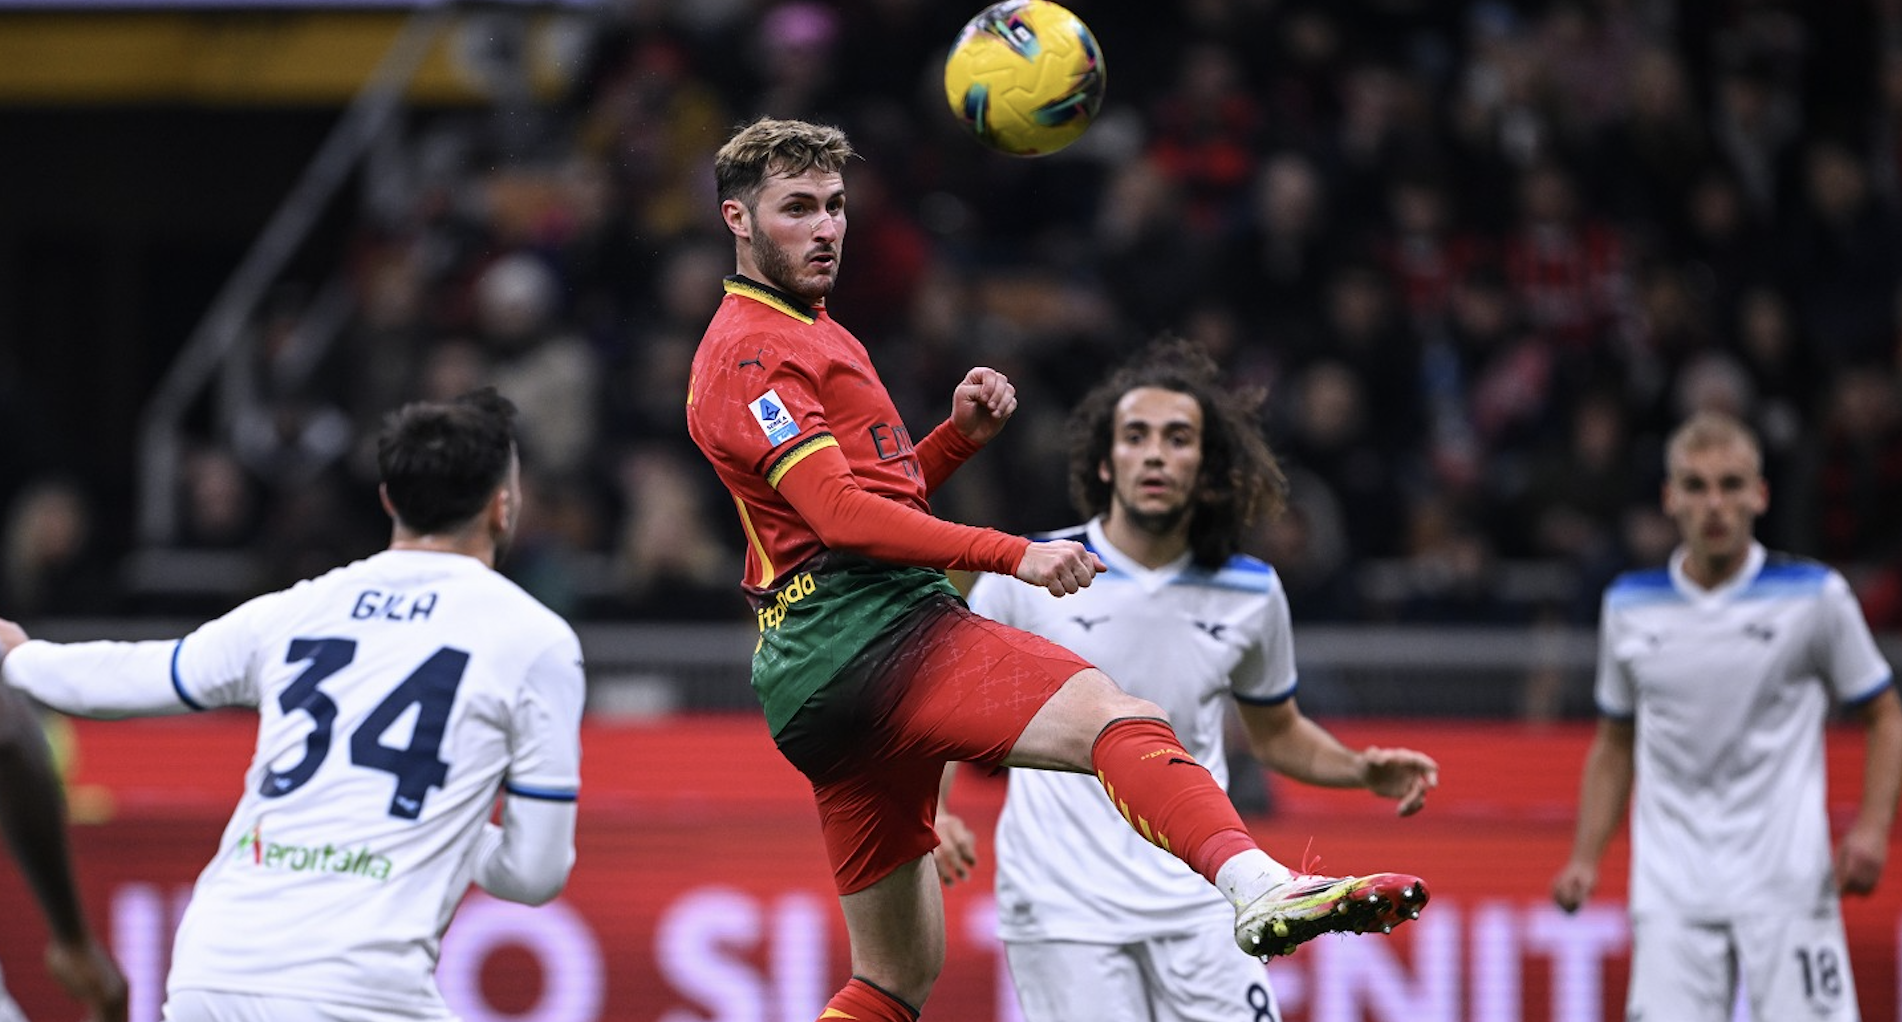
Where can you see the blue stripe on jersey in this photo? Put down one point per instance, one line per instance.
(545, 794)
(1864, 698)
(1624, 717)
(1242, 573)
(1638, 588)
(178, 684)
(1786, 578)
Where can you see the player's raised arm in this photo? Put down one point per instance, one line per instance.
(980, 406)
(845, 516)
(112, 680)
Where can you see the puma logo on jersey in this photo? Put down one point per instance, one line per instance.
(1088, 623)
(1213, 628)
(758, 359)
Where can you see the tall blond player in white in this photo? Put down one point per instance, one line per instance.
(1715, 677)
(397, 698)
(1098, 925)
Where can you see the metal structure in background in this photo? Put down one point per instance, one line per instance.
(215, 341)
(1454, 673)
(217, 337)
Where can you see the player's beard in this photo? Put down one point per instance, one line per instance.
(1157, 523)
(777, 267)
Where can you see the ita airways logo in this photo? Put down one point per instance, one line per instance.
(253, 849)
(773, 418)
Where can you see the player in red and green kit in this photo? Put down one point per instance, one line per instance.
(872, 672)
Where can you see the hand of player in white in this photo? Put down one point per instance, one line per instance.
(1400, 774)
(957, 849)
(1860, 857)
(982, 404)
(1574, 884)
(1060, 565)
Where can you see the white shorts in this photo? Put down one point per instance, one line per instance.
(1201, 977)
(221, 1006)
(1790, 967)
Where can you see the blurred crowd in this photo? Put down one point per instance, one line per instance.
(1480, 256)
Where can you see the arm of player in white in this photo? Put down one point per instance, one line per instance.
(528, 857)
(100, 679)
(210, 667)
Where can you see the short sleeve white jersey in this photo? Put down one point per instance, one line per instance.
(396, 698)
(1729, 689)
(1182, 636)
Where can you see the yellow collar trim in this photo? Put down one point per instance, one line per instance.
(745, 288)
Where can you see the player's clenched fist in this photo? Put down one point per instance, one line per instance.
(982, 403)
(1060, 565)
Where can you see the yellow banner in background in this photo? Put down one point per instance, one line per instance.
(269, 58)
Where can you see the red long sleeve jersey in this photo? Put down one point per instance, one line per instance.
(773, 383)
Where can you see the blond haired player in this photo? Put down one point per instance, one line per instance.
(1716, 675)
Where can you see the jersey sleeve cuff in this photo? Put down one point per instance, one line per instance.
(544, 793)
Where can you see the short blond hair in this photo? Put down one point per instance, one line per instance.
(770, 147)
(1707, 430)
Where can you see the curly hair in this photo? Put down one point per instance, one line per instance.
(767, 147)
(1241, 481)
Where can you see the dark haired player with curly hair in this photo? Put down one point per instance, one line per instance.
(1170, 467)
(872, 672)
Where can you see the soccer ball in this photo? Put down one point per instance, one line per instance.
(1025, 76)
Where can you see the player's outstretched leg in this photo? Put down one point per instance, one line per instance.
(1305, 906)
(1173, 802)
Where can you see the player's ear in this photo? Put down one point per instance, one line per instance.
(1103, 472)
(738, 219)
(503, 507)
(383, 496)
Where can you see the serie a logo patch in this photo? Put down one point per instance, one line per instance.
(773, 418)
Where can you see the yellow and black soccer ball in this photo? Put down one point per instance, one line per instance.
(1025, 76)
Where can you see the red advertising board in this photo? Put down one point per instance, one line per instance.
(701, 893)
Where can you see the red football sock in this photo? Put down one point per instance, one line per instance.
(863, 1002)
(1166, 795)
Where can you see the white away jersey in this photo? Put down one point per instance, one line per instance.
(396, 696)
(1730, 689)
(1184, 637)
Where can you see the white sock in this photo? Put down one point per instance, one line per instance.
(1248, 875)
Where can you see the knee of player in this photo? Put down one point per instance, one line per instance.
(1136, 706)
